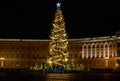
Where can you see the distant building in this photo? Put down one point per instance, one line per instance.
(97, 52)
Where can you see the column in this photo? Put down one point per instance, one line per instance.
(115, 51)
(87, 51)
(91, 50)
(103, 50)
(112, 51)
(83, 51)
(108, 51)
(95, 51)
(99, 50)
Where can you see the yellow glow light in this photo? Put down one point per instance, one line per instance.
(2, 58)
(66, 59)
(50, 62)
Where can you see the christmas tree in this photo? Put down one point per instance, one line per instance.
(58, 52)
(58, 57)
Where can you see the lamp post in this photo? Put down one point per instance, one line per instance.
(2, 63)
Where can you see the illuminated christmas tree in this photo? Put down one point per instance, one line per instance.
(58, 52)
(58, 57)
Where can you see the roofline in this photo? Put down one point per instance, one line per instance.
(79, 39)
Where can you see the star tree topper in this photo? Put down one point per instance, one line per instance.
(58, 4)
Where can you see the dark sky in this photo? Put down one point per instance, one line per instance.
(33, 18)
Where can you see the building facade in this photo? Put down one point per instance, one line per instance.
(97, 52)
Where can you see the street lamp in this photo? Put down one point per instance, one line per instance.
(2, 63)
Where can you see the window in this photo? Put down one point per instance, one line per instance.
(22, 55)
(27, 55)
(17, 55)
(12, 55)
(75, 47)
(43, 48)
(37, 48)
(71, 48)
(6, 55)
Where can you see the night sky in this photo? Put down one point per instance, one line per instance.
(32, 18)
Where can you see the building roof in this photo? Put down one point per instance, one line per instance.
(80, 39)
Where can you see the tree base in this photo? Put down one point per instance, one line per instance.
(53, 71)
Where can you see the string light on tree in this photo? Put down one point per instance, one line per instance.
(58, 57)
(58, 52)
